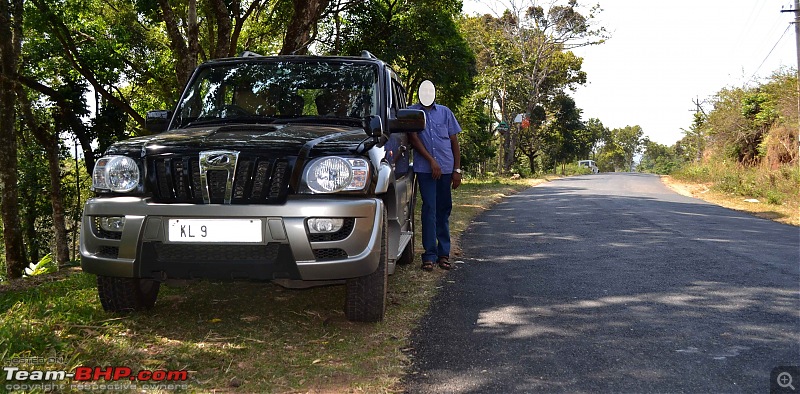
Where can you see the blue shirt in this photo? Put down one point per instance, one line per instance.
(440, 124)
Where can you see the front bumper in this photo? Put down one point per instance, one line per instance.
(143, 249)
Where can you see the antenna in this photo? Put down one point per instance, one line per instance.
(367, 54)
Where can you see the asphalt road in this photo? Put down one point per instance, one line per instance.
(613, 283)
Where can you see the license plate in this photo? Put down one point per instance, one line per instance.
(215, 230)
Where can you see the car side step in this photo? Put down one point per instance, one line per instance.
(405, 238)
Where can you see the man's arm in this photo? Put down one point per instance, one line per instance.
(456, 160)
(419, 148)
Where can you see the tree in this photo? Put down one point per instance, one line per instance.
(694, 140)
(11, 14)
(47, 137)
(79, 60)
(304, 20)
(598, 133)
(557, 131)
(421, 39)
(629, 139)
(543, 40)
(658, 158)
(476, 136)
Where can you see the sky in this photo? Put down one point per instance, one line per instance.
(663, 56)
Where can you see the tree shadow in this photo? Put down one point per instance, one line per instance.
(568, 290)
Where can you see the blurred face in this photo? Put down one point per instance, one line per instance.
(427, 93)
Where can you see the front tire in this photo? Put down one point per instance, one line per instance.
(365, 296)
(126, 294)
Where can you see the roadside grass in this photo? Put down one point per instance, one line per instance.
(233, 336)
(737, 187)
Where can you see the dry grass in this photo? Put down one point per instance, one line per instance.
(787, 212)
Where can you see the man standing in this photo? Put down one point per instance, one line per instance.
(438, 167)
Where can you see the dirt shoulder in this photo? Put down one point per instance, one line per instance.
(787, 213)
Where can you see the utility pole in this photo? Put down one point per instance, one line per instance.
(796, 22)
(698, 109)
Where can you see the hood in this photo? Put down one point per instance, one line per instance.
(273, 140)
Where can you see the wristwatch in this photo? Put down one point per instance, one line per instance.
(457, 170)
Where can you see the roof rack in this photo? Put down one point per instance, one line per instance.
(367, 54)
(250, 54)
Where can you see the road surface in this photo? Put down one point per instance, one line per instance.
(613, 283)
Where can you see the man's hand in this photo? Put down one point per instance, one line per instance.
(456, 180)
(436, 170)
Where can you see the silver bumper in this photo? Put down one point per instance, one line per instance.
(283, 226)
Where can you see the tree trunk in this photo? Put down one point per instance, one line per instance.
(57, 202)
(10, 39)
(224, 29)
(298, 33)
(532, 163)
(29, 216)
(510, 149)
(185, 50)
(50, 142)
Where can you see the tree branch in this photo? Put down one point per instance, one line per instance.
(62, 34)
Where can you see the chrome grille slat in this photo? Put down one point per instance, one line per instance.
(257, 180)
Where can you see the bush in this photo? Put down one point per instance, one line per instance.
(45, 266)
(746, 181)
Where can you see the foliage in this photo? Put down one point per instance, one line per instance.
(421, 39)
(35, 210)
(566, 137)
(659, 159)
(619, 148)
(476, 138)
(45, 266)
(746, 124)
(526, 50)
(693, 143)
(774, 186)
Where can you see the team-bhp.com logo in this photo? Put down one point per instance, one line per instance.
(109, 378)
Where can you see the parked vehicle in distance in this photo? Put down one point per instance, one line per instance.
(291, 169)
(590, 164)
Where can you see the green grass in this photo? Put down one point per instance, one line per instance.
(246, 337)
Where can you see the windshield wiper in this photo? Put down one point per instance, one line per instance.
(340, 120)
(232, 119)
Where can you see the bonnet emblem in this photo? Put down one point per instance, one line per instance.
(223, 160)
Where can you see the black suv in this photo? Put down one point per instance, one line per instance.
(292, 169)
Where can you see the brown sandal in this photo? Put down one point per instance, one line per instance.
(444, 262)
(427, 266)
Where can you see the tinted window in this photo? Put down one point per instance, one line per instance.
(279, 90)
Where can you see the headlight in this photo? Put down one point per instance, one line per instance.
(334, 174)
(115, 173)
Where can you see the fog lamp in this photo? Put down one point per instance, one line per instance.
(112, 223)
(324, 225)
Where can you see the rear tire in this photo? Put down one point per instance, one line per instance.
(365, 296)
(126, 294)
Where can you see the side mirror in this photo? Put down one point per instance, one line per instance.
(157, 121)
(373, 126)
(407, 121)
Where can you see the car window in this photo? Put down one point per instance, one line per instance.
(279, 90)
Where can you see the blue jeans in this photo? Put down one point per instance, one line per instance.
(437, 202)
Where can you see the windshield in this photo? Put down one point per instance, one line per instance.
(267, 92)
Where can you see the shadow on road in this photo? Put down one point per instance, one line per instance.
(570, 289)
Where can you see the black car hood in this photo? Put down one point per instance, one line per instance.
(274, 140)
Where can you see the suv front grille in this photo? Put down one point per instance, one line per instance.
(329, 254)
(207, 252)
(258, 180)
